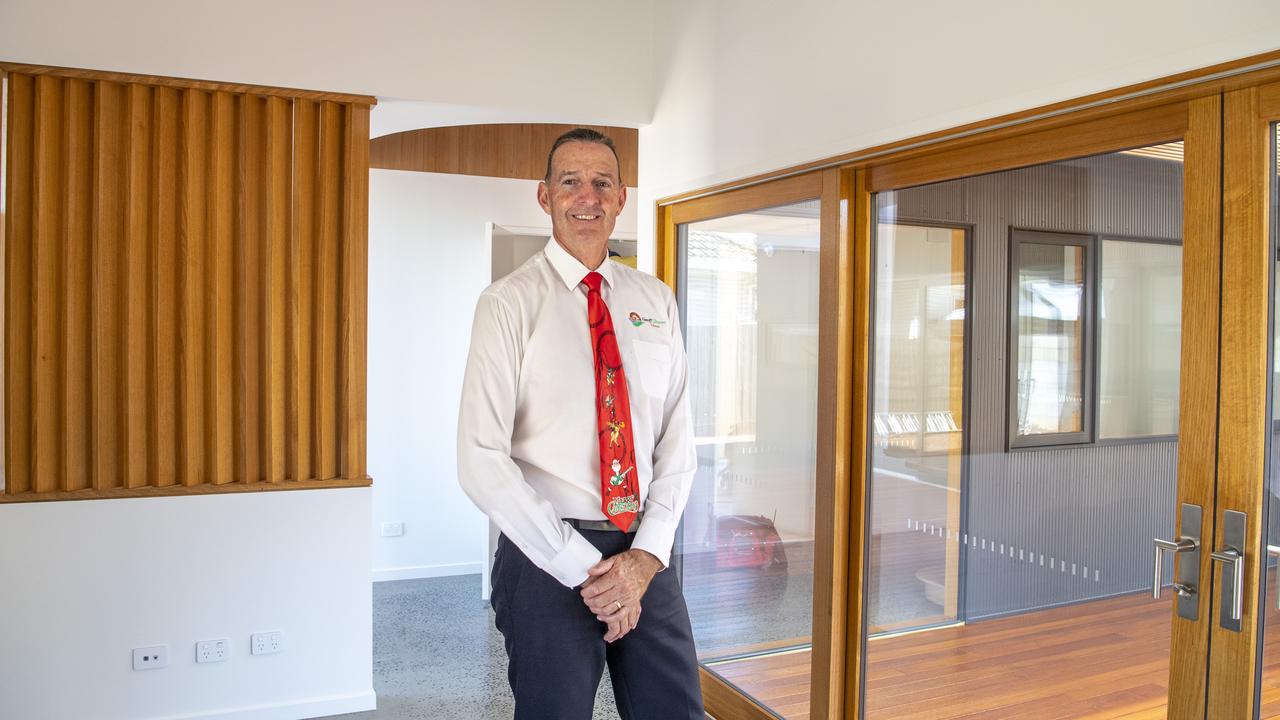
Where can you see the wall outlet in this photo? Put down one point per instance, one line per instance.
(208, 651)
(151, 658)
(392, 529)
(266, 643)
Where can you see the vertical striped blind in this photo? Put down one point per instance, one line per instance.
(185, 286)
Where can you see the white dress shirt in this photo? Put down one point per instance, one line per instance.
(528, 453)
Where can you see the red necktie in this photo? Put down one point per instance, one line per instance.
(619, 489)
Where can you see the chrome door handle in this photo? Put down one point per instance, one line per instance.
(1232, 596)
(1181, 545)
(1232, 590)
(1186, 575)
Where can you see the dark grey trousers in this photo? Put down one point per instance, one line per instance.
(556, 650)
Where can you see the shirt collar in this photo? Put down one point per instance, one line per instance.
(570, 270)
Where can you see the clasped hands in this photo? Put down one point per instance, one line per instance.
(614, 587)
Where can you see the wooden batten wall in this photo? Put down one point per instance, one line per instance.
(185, 286)
(517, 150)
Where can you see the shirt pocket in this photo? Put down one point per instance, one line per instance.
(655, 367)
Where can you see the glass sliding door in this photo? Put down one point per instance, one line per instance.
(986, 428)
(747, 276)
(750, 303)
(1028, 349)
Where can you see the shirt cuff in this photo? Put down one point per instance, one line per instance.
(570, 565)
(655, 537)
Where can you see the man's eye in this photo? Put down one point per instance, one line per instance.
(604, 185)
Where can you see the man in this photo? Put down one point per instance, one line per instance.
(575, 438)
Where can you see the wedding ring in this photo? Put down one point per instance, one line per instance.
(615, 602)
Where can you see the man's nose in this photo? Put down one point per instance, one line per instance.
(589, 194)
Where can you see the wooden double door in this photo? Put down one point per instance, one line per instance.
(1033, 368)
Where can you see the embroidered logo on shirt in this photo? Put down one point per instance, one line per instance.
(636, 320)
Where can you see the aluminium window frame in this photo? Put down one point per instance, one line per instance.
(1088, 355)
(1091, 360)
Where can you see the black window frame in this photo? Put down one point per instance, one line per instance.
(1088, 355)
(1093, 249)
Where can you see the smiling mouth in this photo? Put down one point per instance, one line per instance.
(585, 217)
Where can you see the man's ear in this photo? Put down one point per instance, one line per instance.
(622, 196)
(544, 198)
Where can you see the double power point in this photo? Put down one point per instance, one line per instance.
(266, 643)
(208, 651)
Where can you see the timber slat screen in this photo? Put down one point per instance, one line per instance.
(185, 287)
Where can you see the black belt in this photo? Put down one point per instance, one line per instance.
(604, 525)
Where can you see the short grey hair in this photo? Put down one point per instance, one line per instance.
(583, 135)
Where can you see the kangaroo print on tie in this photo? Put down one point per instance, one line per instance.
(620, 500)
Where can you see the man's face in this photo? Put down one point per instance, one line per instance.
(584, 194)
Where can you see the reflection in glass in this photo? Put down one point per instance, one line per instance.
(1269, 687)
(917, 422)
(750, 298)
(1010, 306)
(1050, 350)
(1139, 338)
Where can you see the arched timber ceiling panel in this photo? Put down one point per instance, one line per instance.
(507, 151)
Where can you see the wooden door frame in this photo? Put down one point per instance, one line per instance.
(1188, 106)
(1247, 268)
(832, 188)
(1194, 120)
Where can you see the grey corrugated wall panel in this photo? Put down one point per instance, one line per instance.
(1097, 506)
(1090, 513)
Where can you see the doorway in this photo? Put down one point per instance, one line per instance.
(1038, 348)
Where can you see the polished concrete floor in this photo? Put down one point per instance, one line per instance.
(437, 655)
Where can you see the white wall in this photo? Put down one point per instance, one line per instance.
(297, 561)
(511, 251)
(429, 258)
(498, 54)
(745, 86)
(86, 582)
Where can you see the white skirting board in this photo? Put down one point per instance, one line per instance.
(414, 572)
(312, 708)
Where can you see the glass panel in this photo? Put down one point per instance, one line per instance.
(750, 298)
(1139, 338)
(984, 560)
(1051, 308)
(1269, 687)
(918, 420)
